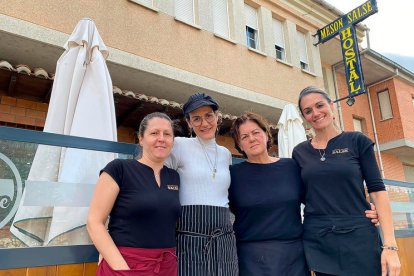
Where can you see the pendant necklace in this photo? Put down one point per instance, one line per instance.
(213, 166)
(322, 154)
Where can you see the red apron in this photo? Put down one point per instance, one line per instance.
(143, 262)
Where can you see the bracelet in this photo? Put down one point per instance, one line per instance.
(390, 247)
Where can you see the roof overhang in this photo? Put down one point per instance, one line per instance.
(403, 148)
(36, 46)
(377, 68)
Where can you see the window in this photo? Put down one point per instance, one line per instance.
(408, 172)
(221, 17)
(358, 124)
(251, 37)
(385, 105)
(303, 51)
(252, 33)
(184, 10)
(279, 39)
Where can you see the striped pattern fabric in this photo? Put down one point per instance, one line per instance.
(206, 245)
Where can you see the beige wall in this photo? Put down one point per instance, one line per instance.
(158, 36)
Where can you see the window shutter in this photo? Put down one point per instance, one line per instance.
(357, 125)
(278, 33)
(409, 173)
(385, 105)
(221, 17)
(301, 42)
(146, 2)
(250, 16)
(184, 10)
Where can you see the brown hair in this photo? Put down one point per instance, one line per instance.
(144, 124)
(256, 118)
(310, 90)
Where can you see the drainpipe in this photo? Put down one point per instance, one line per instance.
(373, 121)
(381, 167)
(367, 36)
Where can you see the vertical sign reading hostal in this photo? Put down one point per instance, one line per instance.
(345, 28)
(352, 63)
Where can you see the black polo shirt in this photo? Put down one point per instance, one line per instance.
(144, 215)
(336, 186)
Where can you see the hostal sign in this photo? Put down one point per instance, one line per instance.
(345, 28)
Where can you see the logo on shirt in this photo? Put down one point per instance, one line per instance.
(172, 187)
(340, 151)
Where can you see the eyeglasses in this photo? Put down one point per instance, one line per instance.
(198, 120)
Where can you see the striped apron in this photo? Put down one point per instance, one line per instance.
(342, 245)
(143, 262)
(206, 245)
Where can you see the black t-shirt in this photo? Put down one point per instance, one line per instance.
(144, 215)
(265, 199)
(336, 186)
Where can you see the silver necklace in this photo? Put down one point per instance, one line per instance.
(322, 154)
(213, 167)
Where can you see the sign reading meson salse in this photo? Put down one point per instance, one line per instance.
(345, 28)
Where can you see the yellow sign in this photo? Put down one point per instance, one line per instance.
(351, 18)
(351, 60)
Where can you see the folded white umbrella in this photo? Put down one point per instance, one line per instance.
(81, 104)
(291, 130)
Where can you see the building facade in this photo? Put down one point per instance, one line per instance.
(253, 55)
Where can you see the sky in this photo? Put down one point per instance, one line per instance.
(390, 29)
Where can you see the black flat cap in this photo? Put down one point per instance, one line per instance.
(198, 100)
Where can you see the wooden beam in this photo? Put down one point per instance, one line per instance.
(46, 99)
(12, 84)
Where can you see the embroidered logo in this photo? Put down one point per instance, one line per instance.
(340, 151)
(172, 187)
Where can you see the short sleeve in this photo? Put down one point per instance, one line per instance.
(173, 161)
(230, 158)
(115, 170)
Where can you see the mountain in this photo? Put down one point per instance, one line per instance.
(405, 61)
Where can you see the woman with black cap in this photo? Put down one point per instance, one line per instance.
(205, 239)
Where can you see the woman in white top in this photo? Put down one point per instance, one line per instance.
(205, 239)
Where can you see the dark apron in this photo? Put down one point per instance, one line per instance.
(342, 245)
(270, 258)
(206, 245)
